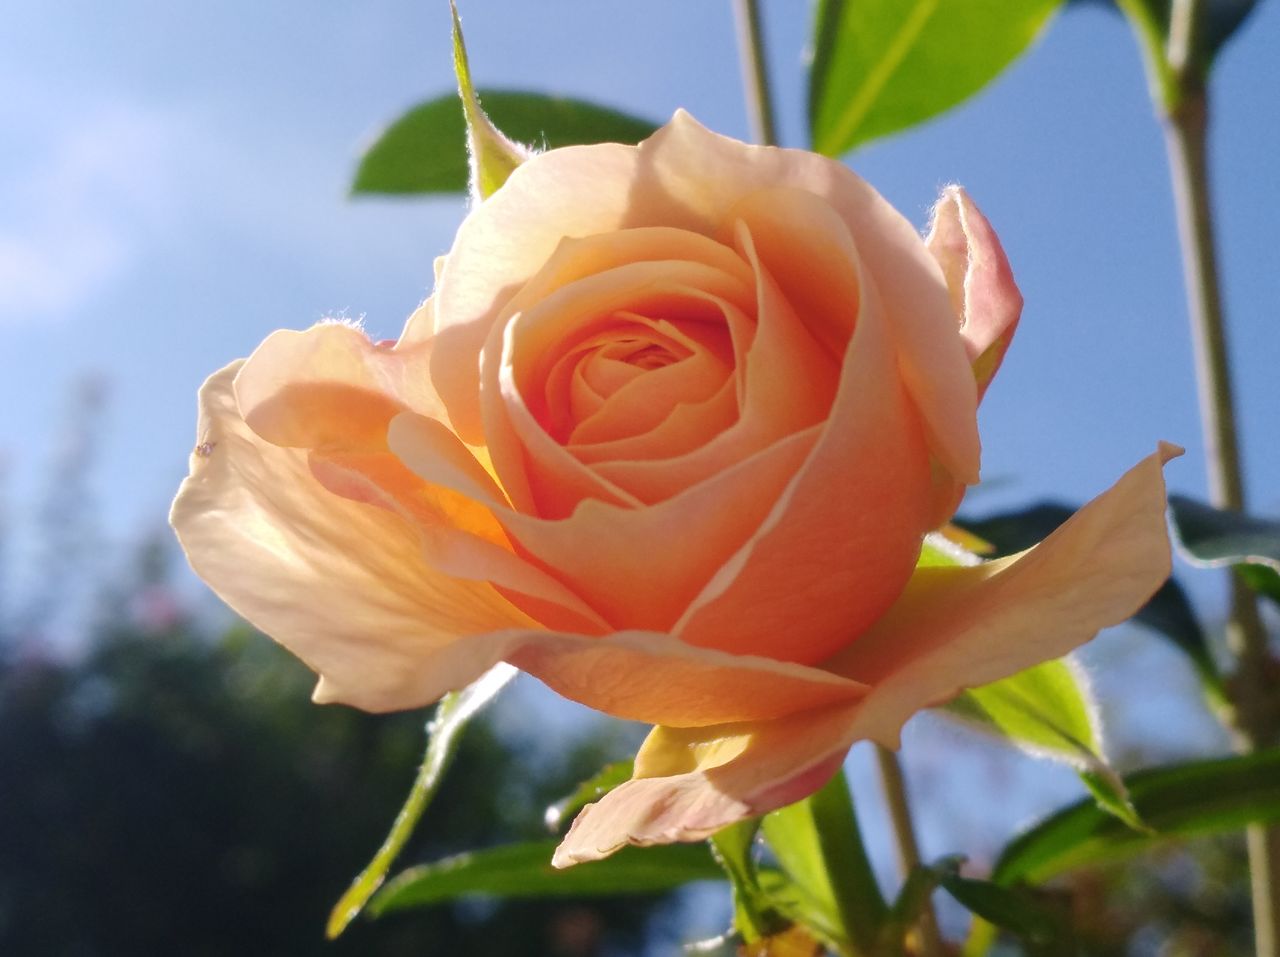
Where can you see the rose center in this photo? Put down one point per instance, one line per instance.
(648, 355)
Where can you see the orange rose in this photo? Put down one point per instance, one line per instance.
(668, 435)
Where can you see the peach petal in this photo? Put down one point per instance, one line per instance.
(808, 251)
(786, 382)
(341, 584)
(330, 386)
(681, 433)
(840, 543)
(790, 380)
(957, 628)
(587, 234)
(688, 178)
(316, 389)
(549, 480)
(655, 678)
(663, 289)
(604, 553)
(978, 278)
(690, 783)
(379, 478)
(954, 628)
(460, 537)
(709, 174)
(643, 403)
(539, 475)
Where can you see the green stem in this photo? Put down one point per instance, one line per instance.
(895, 793)
(1252, 687)
(755, 71)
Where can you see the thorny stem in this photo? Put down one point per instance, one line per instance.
(895, 793)
(1252, 687)
(755, 71)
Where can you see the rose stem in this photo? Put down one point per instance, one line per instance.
(755, 76)
(895, 793)
(1185, 110)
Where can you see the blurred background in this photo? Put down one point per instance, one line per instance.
(174, 185)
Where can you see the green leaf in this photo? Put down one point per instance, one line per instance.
(592, 789)
(1215, 538)
(1018, 910)
(1168, 612)
(799, 907)
(1196, 798)
(819, 846)
(425, 150)
(524, 870)
(1263, 580)
(881, 66)
(1047, 711)
(444, 731)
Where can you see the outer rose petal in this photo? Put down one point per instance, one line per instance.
(652, 677)
(953, 628)
(332, 391)
(979, 279)
(341, 584)
(329, 386)
(734, 772)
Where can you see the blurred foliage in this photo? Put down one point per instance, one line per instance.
(169, 793)
(1187, 899)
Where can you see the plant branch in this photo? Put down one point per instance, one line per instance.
(755, 71)
(1252, 687)
(895, 793)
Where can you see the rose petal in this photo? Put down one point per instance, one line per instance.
(460, 537)
(541, 476)
(319, 389)
(652, 677)
(957, 628)
(807, 249)
(840, 543)
(787, 381)
(690, 783)
(605, 553)
(342, 585)
(330, 386)
(689, 178)
(954, 628)
(685, 430)
(978, 278)
(648, 399)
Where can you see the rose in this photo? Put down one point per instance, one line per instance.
(668, 435)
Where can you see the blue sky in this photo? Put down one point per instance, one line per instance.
(173, 187)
